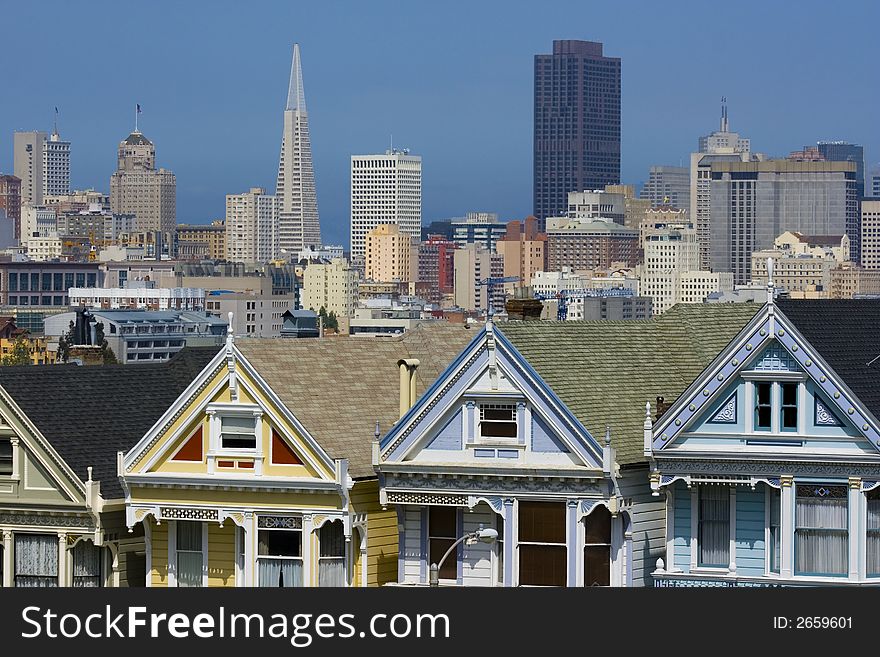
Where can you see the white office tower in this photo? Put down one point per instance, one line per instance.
(251, 222)
(298, 223)
(385, 189)
(56, 165)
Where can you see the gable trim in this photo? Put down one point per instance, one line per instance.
(768, 325)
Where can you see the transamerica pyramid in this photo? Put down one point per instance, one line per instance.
(298, 222)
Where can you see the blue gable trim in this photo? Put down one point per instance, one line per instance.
(462, 373)
(768, 325)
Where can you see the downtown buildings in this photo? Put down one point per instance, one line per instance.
(138, 188)
(576, 124)
(252, 226)
(42, 163)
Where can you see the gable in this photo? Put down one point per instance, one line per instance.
(490, 409)
(229, 425)
(769, 390)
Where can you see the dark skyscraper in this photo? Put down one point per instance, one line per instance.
(577, 124)
(841, 151)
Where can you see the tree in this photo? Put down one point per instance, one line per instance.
(331, 322)
(20, 354)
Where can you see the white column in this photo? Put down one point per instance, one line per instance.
(248, 535)
(695, 512)
(856, 527)
(62, 559)
(732, 549)
(571, 539)
(8, 571)
(509, 550)
(307, 525)
(16, 473)
(786, 526)
(670, 528)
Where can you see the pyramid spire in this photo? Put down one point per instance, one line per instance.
(296, 97)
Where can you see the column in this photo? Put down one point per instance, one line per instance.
(62, 559)
(786, 526)
(571, 540)
(248, 534)
(8, 571)
(307, 526)
(508, 541)
(16, 473)
(856, 528)
(732, 548)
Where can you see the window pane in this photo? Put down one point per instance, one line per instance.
(763, 393)
(189, 569)
(5, 456)
(598, 525)
(714, 526)
(279, 572)
(542, 522)
(789, 418)
(775, 529)
(873, 529)
(437, 547)
(331, 537)
(498, 413)
(821, 535)
(442, 522)
(189, 535)
(36, 560)
(279, 543)
(789, 394)
(597, 565)
(542, 565)
(239, 424)
(86, 565)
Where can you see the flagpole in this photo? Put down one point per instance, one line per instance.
(135, 117)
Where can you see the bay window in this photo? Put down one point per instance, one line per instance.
(442, 533)
(821, 530)
(597, 547)
(872, 545)
(713, 526)
(331, 554)
(279, 552)
(542, 546)
(189, 558)
(86, 565)
(36, 560)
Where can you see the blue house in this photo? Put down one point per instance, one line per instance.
(769, 463)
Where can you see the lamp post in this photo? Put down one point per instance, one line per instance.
(484, 535)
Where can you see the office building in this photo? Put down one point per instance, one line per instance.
(391, 255)
(597, 204)
(474, 266)
(254, 314)
(753, 202)
(299, 225)
(668, 185)
(251, 226)
(42, 163)
(802, 264)
(138, 188)
(874, 183)
(842, 151)
(56, 166)
(45, 284)
(332, 286)
(576, 124)
(870, 209)
(202, 241)
(385, 189)
(634, 208)
(481, 228)
(10, 200)
(437, 267)
(524, 251)
(139, 294)
(589, 244)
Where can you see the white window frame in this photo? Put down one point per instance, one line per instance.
(496, 440)
(695, 528)
(172, 553)
(14, 474)
(775, 379)
(216, 451)
(304, 553)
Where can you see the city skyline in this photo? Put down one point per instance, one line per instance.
(479, 96)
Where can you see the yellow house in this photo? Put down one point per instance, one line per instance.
(260, 473)
(38, 346)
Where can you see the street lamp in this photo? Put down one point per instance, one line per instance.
(483, 535)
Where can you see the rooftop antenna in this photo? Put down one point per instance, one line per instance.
(724, 123)
(137, 110)
(55, 124)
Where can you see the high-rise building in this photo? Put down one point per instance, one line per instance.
(576, 124)
(596, 204)
(10, 201)
(437, 267)
(874, 183)
(634, 208)
(251, 225)
(391, 255)
(385, 189)
(56, 165)
(474, 264)
(202, 241)
(722, 145)
(28, 165)
(478, 228)
(524, 251)
(842, 151)
(138, 188)
(871, 233)
(668, 185)
(299, 225)
(585, 244)
(753, 202)
(332, 286)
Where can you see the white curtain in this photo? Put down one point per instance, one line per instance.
(331, 572)
(821, 536)
(873, 546)
(189, 553)
(279, 572)
(775, 529)
(86, 565)
(331, 556)
(714, 526)
(36, 560)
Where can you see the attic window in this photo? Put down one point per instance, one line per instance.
(5, 456)
(498, 421)
(238, 432)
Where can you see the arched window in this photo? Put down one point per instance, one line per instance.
(331, 554)
(597, 547)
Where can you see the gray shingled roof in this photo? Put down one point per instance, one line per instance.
(89, 413)
(605, 371)
(339, 387)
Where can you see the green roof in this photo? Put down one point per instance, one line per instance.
(605, 371)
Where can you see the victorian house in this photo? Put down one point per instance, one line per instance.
(536, 431)
(260, 474)
(62, 509)
(768, 464)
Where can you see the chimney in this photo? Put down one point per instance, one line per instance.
(662, 407)
(407, 367)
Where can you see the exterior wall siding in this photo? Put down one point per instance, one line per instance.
(648, 516)
(159, 554)
(681, 558)
(750, 531)
(382, 539)
(412, 552)
(221, 554)
(477, 558)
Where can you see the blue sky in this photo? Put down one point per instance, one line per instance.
(452, 81)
